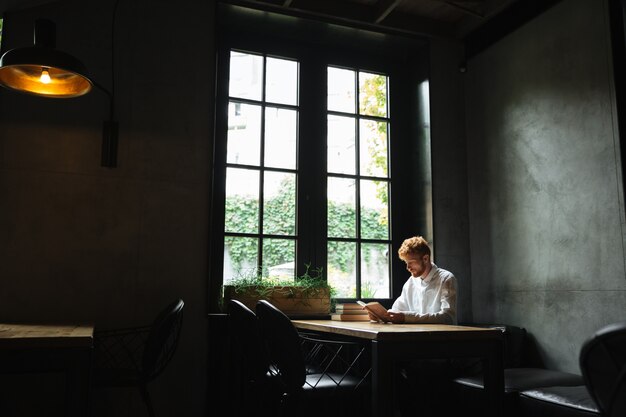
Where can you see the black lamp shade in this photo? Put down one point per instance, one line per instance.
(21, 69)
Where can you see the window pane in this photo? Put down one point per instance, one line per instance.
(341, 90)
(341, 145)
(280, 137)
(341, 207)
(374, 210)
(374, 270)
(242, 201)
(373, 155)
(279, 258)
(279, 205)
(372, 94)
(240, 257)
(246, 75)
(244, 134)
(342, 268)
(282, 81)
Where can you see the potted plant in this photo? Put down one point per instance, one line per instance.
(308, 294)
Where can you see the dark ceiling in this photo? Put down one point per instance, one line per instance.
(439, 18)
(476, 22)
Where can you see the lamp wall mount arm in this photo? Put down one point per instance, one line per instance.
(109, 132)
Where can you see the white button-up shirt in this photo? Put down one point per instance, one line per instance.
(430, 299)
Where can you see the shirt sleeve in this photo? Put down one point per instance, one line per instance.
(447, 314)
(400, 304)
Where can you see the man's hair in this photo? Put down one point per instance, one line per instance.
(415, 245)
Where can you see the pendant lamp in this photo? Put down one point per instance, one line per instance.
(42, 70)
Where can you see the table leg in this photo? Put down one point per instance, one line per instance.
(494, 379)
(382, 379)
(78, 382)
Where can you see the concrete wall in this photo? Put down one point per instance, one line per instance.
(79, 242)
(546, 208)
(449, 168)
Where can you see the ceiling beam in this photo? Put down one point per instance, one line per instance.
(460, 1)
(464, 9)
(417, 24)
(339, 8)
(384, 7)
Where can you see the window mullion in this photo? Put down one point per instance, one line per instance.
(357, 186)
(262, 168)
(312, 164)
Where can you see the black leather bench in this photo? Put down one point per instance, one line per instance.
(557, 402)
(521, 379)
(522, 372)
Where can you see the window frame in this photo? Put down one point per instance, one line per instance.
(262, 168)
(359, 176)
(409, 191)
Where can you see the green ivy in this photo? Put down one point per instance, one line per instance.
(341, 223)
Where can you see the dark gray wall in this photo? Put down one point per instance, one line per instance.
(79, 242)
(449, 168)
(546, 207)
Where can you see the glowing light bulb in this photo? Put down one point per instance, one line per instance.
(45, 76)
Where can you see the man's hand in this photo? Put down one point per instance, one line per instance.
(392, 317)
(372, 317)
(395, 317)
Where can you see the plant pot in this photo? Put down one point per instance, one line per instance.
(291, 300)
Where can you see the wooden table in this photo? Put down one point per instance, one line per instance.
(392, 343)
(51, 348)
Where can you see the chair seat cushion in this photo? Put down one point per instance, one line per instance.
(559, 400)
(520, 379)
(331, 381)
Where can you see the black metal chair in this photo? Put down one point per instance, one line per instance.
(603, 364)
(314, 372)
(134, 356)
(252, 379)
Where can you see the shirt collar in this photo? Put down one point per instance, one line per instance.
(429, 277)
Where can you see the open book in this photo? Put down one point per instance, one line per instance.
(376, 309)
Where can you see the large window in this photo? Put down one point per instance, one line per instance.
(319, 158)
(261, 176)
(358, 183)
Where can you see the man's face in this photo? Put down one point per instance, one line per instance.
(416, 264)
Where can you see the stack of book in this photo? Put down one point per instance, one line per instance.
(349, 312)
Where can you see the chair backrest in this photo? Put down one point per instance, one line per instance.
(162, 340)
(283, 345)
(246, 341)
(603, 365)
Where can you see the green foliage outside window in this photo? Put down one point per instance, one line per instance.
(375, 91)
(242, 212)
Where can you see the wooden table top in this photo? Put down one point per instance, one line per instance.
(45, 335)
(397, 332)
